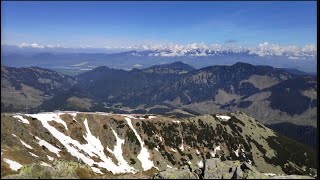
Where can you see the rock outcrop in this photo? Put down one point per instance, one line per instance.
(59, 170)
(174, 173)
(217, 169)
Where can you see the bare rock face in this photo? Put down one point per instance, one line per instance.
(217, 169)
(291, 177)
(173, 173)
(213, 169)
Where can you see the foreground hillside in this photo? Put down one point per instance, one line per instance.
(123, 143)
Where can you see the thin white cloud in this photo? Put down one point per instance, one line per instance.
(266, 48)
(80, 64)
(33, 45)
(295, 58)
(39, 46)
(137, 65)
(201, 49)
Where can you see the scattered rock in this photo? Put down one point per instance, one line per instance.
(61, 169)
(173, 173)
(291, 177)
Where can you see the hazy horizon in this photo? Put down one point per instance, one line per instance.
(280, 34)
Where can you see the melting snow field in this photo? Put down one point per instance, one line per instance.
(25, 144)
(176, 121)
(93, 147)
(50, 158)
(49, 146)
(45, 164)
(269, 174)
(160, 138)
(85, 152)
(213, 154)
(144, 154)
(13, 164)
(21, 119)
(197, 151)
(173, 150)
(117, 151)
(237, 152)
(226, 118)
(33, 154)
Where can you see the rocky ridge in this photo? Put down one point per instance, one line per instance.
(132, 143)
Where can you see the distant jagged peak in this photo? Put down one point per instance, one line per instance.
(202, 49)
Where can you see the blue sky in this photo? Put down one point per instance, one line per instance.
(100, 24)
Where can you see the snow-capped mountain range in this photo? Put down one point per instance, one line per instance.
(193, 49)
(201, 49)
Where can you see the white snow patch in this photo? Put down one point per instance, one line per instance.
(50, 116)
(96, 170)
(226, 118)
(200, 164)
(269, 174)
(50, 158)
(213, 154)
(243, 154)
(176, 121)
(151, 117)
(21, 119)
(173, 150)
(160, 138)
(128, 116)
(181, 147)
(25, 144)
(236, 152)
(56, 118)
(197, 151)
(144, 154)
(49, 146)
(33, 154)
(13, 164)
(169, 166)
(189, 162)
(14, 135)
(74, 116)
(45, 164)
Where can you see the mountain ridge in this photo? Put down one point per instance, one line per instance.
(128, 143)
(264, 92)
